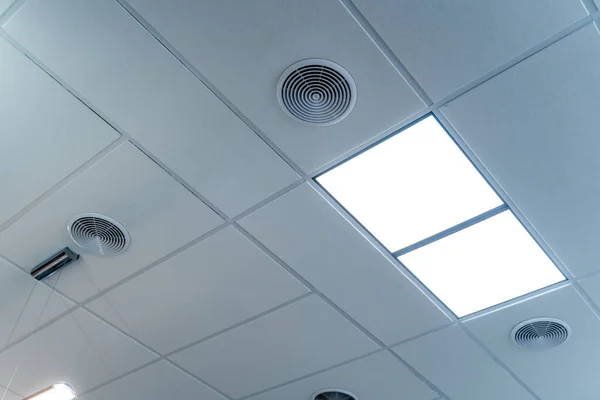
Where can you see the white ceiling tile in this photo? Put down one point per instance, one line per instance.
(459, 368)
(78, 348)
(307, 233)
(98, 49)
(25, 304)
(446, 45)
(215, 284)
(159, 213)
(158, 381)
(379, 376)
(303, 337)
(46, 132)
(534, 127)
(243, 47)
(568, 371)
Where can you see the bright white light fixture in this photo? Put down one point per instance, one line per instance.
(411, 186)
(483, 265)
(58, 391)
(410, 189)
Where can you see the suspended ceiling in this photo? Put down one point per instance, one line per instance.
(244, 279)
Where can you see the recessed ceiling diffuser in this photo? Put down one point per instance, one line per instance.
(99, 234)
(541, 333)
(316, 92)
(333, 394)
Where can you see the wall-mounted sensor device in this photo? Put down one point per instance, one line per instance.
(54, 263)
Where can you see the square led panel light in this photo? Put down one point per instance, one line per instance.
(411, 186)
(483, 265)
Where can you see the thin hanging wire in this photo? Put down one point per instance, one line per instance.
(19, 318)
(173, 388)
(107, 300)
(165, 375)
(52, 291)
(10, 381)
(85, 335)
(20, 315)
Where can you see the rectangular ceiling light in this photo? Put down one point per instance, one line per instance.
(58, 391)
(483, 265)
(411, 186)
(421, 197)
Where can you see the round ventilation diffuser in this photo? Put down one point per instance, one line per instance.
(333, 394)
(316, 92)
(541, 333)
(99, 234)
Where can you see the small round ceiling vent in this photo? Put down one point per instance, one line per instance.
(316, 92)
(99, 234)
(333, 394)
(541, 333)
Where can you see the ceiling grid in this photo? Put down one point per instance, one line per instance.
(305, 179)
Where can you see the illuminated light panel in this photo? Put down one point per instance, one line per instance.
(58, 391)
(483, 265)
(411, 186)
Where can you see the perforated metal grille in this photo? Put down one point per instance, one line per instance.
(541, 333)
(317, 92)
(99, 234)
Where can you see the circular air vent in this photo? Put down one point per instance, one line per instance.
(333, 394)
(541, 333)
(316, 92)
(99, 234)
